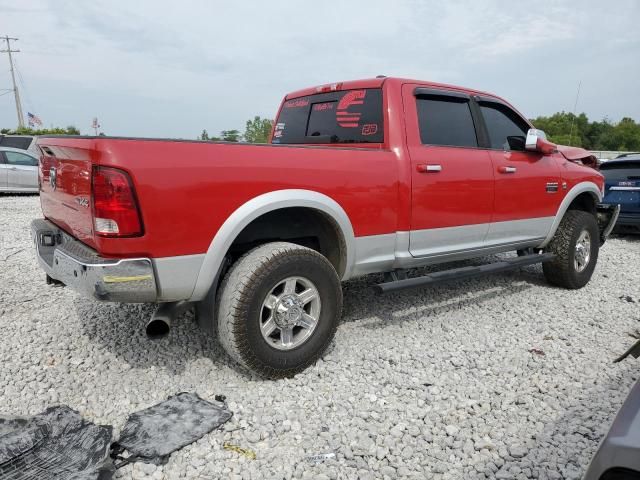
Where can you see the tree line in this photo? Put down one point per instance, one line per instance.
(565, 128)
(70, 130)
(256, 131)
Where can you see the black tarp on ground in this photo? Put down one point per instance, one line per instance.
(151, 435)
(57, 444)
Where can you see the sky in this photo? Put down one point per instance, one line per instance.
(172, 69)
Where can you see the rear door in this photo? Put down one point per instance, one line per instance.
(22, 171)
(452, 178)
(528, 188)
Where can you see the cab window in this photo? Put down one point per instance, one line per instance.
(446, 121)
(506, 129)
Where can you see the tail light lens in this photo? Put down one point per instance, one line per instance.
(115, 208)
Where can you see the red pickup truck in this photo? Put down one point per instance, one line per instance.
(376, 175)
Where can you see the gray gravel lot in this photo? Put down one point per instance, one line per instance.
(436, 383)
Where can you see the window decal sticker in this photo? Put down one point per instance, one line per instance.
(344, 117)
(296, 103)
(323, 106)
(277, 132)
(369, 129)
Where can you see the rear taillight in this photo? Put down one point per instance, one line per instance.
(115, 209)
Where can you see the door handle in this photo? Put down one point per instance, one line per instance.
(428, 168)
(507, 169)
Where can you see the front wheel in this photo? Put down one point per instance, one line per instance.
(575, 245)
(279, 308)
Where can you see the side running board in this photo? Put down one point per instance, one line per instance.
(463, 273)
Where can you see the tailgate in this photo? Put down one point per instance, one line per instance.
(65, 184)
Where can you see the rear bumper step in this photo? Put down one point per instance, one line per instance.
(67, 261)
(463, 273)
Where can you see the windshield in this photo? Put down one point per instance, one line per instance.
(351, 116)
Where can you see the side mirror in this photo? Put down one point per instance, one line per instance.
(537, 142)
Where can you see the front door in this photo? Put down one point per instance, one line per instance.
(452, 178)
(528, 188)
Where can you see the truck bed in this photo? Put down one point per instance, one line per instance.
(186, 189)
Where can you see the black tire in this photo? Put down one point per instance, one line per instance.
(246, 286)
(562, 270)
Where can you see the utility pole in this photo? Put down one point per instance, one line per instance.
(16, 94)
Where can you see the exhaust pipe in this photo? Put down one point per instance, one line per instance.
(160, 324)
(158, 328)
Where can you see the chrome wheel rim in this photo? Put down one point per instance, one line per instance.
(290, 313)
(582, 253)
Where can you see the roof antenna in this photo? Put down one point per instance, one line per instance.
(575, 106)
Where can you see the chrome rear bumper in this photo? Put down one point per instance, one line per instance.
(69, 261)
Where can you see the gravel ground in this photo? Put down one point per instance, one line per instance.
(437, 383)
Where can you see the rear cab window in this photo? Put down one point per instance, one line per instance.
(348, 116)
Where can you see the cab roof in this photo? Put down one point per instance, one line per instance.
(377, 82)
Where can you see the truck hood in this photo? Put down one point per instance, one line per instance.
(578, 155)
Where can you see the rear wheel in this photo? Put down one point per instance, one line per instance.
(279, 308)
(576, 246)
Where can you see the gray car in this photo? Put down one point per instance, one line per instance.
(18, 170)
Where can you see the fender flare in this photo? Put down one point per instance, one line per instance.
(571, 195)
(257, 207)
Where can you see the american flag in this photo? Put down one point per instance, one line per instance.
(34, 120)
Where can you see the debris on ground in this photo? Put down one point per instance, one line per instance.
(321, 457)
(151, 435)
(250, 454)
(634, 351)
(537, 351)
(627, 298)
(58, 444)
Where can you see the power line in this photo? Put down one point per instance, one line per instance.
(27, 95)
(16, 94)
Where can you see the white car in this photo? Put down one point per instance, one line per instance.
(18, 170)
